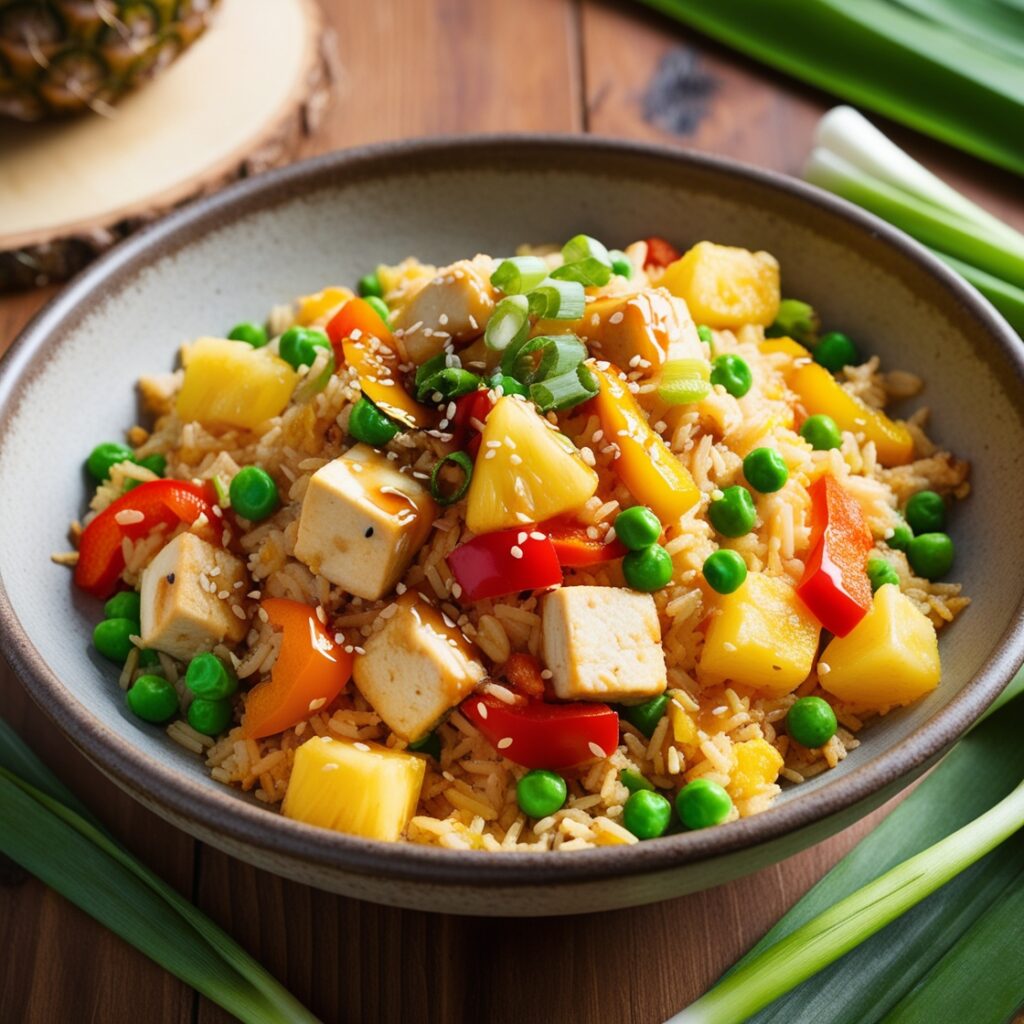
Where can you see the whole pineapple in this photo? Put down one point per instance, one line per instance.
(68, 56)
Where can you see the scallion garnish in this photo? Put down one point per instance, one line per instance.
(428, 369)
(545, 356)
(509, 323)
(586, 260)
(684, 381)
(797, 320)
(557, 300)
(451, 382)
(621, 263)
(465, 463)
(519, 274)
(565, 390)
(316, 379)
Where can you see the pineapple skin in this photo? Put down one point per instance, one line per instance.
(65, 57)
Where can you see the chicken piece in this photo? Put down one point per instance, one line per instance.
(603, 643)
(417, 668)
(362, 522)
(453, 306)
(182, 613)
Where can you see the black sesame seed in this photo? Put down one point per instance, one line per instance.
(170, 578)
(369, 532)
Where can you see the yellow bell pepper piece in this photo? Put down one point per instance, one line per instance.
(376, 363)
(786, 345)
(820, 392)
(891, 657)
(653, 475)
(232, 384)
(361, 789)
(758, 765)
(318, 307)
(761, 636)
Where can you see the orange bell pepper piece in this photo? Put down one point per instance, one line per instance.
(310, 671)
(361, 339)
(653, 474)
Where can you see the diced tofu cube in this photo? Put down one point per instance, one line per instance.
(725, 286)
(362, 522)
(232, 384)
(891, 657)
(362, 789)
(760, 636)
(454, 305)
(181, 611)
(603, 643)
(416, 668)
(756, 765)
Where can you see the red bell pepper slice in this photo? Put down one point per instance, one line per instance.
(356, 319)
(660, 253)
(545, 735)
(574, 548)
(835, 584)
(477, 406)
(505, 562)
(162, 503)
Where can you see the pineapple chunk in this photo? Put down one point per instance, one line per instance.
(724, 286)
(758, 765)
(891, 657)
(363, 789)
(534, 473)
(320, 307)
(761, 636)
(232, 384)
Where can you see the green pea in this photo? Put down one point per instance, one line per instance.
(148, 658)
(702, 803)
(111, 638)
(646, 814)
(540, 793)
(367, 423)
(155, 463)
(208, 677)
(766, 470)
(637, 527)
(733, 514)
(732, 373)
(931, 555)
(881, 572)
(621, 264)
(509, 385)
(836, 350)
(298, 345)
(926, 512)
(429, 744)
(634, 781)
(380, 307)
(250, 333)
(725, 571)
(210, 717)
(153, 699)
(901, 537)
(707, 336)
(811, 722)
(370, 286)
(821, 432)
(104, 456)
(646, 716)
(125, 605)
(648, 570)
(253, 493)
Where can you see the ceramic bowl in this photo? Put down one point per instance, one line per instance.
(69, 383)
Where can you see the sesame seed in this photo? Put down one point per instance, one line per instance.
(504, 743)
(521, 537)
(361, 746)
(481, 710)
(824, 668)
(456, 590)
(546, 673)
(516, 551)
(239, 611)
(128, 516)
(537, 535)
(596, 750)
(400, 588)
(359, 650)
(515, 459)
(588, 456)
(330, 766)
(616, 318)
(222, 595)
(339, 638)
(317, 703)
(490, 454)
(321, 614)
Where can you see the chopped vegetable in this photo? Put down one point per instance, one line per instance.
(155, 463)
(369, 284)
(649, 569)
(210, 717)
(321, 305)
(931, 555)
(621, 263)
(646, 716)
(734, 513)
(763, 635)
(835, 351)
(437, 492)
(564, 391)
(153, 699)
(653, 475)
(646, 814)
(105, 456)
(445, 383)
(660, 253)
(835, 584)
(368, 424)
(505, 562)
(725, 571)
(299, 345)
(811, 722)
(253, 493)
(543, 358)
(901, 537)
(509, 323)
(797, 320)
(634, 781)
(732, 372)
(540, 793)
(585, 260)
(557, 300)
(703, 803)
(207, 676)
(766, 470)
(229, 383)
(637, 527)
(362, 789)
(757, 765)
(250, 333)
(310, 671)
(380, 307)
(925, 512)
(429, 745)
(880, 572)
(684, 381)
(527, 471)
(576, 548)
(124, 605)
(539, 735)
(160, 503)
(890, 658)
(821, 432)
(519, 274)
(112, 638)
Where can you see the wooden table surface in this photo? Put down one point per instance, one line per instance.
(420, 67)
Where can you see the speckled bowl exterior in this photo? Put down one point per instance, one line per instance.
(69, 383)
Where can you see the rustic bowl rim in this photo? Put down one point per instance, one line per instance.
(248, 825)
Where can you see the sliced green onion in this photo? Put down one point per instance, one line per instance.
(797, 320)
(427, 370)
(586, 260)
(510, 322)
(519, 274)
(558, 300)
(684, 381)
(451, 382)
(621, 263)
(223, 494)
(583, 247)
(545, 356)
(565, 390)
(313, 384)
(465, 463)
